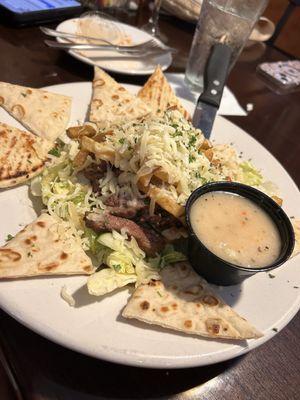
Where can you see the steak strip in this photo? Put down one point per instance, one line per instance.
(124, 208)
(148, 240)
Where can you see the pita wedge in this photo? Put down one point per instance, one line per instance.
(159, 95)
(184, 302)
(112, 104)
(44, 247)
(43, 113)
(22, 155)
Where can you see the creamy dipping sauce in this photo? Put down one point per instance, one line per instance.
(235, 229)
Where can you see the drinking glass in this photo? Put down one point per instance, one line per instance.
(152, 25)
(225, 21)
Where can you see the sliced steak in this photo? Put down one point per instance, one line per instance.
(147, 239)
(94, 172)
(123, 207)
(160, 220)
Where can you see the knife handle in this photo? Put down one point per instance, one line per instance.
(215, 74)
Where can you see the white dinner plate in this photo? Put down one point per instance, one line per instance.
(95, 326)
(113, 61)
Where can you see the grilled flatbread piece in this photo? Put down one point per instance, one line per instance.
(112, 104)
(44, 247)
(43, 113)
(182, 301)
(22, 155)
(158, 93)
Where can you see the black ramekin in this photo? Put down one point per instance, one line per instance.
(219, 271)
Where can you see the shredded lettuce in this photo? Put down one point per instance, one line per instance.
(107, 280)
(251, 176)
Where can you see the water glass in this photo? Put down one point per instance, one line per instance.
(225, 21)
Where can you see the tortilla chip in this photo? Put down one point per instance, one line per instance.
(22, 155)
(44, 247)
(43, 113)
(158, 94)
(183, 301)
(112, 104)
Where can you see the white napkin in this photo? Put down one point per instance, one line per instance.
(229, 104)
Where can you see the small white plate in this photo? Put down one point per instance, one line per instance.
(95, 327)
(114, 61)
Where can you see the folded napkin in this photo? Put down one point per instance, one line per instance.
(229, 104)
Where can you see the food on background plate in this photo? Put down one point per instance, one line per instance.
(183, 301)
(97, 25)
(235, 229)
(296, 226)
(158, 93)
(45, 247)
(22, 155)
(112, 104)
(115, 193)
(44, 113)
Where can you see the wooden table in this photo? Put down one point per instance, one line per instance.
(39, 369)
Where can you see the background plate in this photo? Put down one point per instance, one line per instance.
(113, 61)
(95, 327)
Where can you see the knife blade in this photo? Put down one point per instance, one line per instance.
(215, 74)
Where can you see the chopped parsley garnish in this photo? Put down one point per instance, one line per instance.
(29, 161)
(117, 267)
(197, 175)
(122, 140)
(9, 237)
(275, 329)
(55, 152)
(159, 293)
(192, 140)
(23, 94)
(29, 254)
(271, 276)
(191, 158)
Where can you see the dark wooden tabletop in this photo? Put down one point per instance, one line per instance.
(34, 368)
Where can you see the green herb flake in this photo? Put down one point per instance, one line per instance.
(122, 140)
(192, 141)
(191, 158)
(160, 295)
(271, 276)
(23, 94)
(275, 329)
(9, 237)
(197, 175)
(117, 267)
(29, 161)
(296, 287)
(29, 254)
(55, 152)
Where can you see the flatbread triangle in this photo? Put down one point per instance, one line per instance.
(44, 113)
(183, 301)
(158, 94)
(44, 247)
(23, 155)
(112, 104)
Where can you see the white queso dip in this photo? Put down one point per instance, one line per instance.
(235, 229)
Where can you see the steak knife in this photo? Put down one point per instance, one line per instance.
(215, 74)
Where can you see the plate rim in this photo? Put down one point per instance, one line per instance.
(133, 359)
(89, 61)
